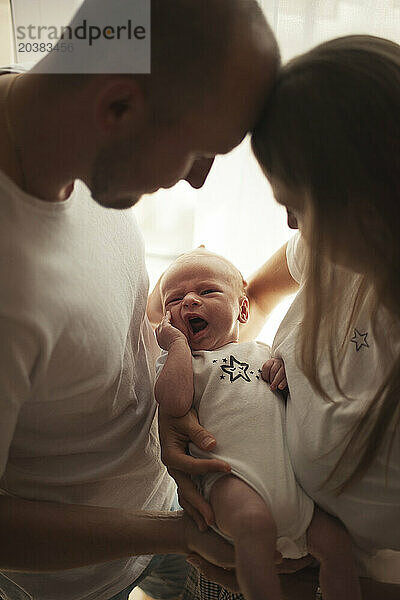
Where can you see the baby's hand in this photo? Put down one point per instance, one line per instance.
(273, 372)
(167, 334)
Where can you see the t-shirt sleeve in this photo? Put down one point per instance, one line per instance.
(160, 362)
(18, 358)
(296, 252)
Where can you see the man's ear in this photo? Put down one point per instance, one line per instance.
(119, 101)
(243, 309)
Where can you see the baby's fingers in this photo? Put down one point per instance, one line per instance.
(266, 369)
(166, 318)
(279, 379)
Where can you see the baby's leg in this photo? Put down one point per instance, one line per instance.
(243, 516)
(330, 543)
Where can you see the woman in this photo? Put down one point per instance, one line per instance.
(329, 143)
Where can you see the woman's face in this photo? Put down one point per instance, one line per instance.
(343, 243)
(292, 200)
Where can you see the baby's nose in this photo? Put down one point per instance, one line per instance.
(191, 300)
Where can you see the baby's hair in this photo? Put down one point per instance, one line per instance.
(232, 272)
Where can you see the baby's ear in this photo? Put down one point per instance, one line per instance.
(243, 309)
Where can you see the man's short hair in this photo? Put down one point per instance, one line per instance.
(190, 47)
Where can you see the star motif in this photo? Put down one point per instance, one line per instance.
(236, 370)
(360, 340)
(224, 360)
(222, 377)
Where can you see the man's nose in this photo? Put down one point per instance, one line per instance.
(199, 172)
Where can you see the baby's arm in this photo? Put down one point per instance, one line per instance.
(243, 516)
(330, 543)
(174, 386)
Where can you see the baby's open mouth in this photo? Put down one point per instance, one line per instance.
(197, 324)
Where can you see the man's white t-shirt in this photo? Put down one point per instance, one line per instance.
(76, 374)
(370, 508)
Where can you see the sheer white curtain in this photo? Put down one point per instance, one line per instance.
(234, 213)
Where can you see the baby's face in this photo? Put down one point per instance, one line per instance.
(204, 302)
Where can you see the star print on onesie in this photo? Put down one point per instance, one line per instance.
(236, 369)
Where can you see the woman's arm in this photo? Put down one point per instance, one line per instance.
(269, 285)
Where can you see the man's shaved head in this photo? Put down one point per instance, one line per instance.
(192, 43)
(213, 63)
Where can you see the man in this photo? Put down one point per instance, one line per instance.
(78, 442)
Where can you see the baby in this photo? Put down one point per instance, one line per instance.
(258, 506)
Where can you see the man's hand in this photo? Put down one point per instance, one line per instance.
(211, 555)
(273, 372)
(292, 565)
(175, 435)
(227, 577)
(167, 334)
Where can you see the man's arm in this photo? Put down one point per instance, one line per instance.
(174, 386)
(46, 536)
(269, 285)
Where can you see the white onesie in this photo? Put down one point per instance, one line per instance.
(248, 422)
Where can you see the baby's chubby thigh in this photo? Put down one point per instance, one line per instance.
(240, 512)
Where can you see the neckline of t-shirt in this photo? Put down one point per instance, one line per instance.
(8, 185)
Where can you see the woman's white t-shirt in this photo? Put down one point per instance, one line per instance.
(370, 508)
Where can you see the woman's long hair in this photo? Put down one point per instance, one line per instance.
(331, 132)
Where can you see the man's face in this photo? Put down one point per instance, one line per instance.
(149, 156)
(202, 295)
(156, 158)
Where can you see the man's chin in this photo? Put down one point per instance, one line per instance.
(121, 203)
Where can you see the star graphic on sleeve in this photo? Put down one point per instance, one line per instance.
(236, 370)
(360, 340)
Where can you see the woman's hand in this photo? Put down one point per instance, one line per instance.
(175, 435)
